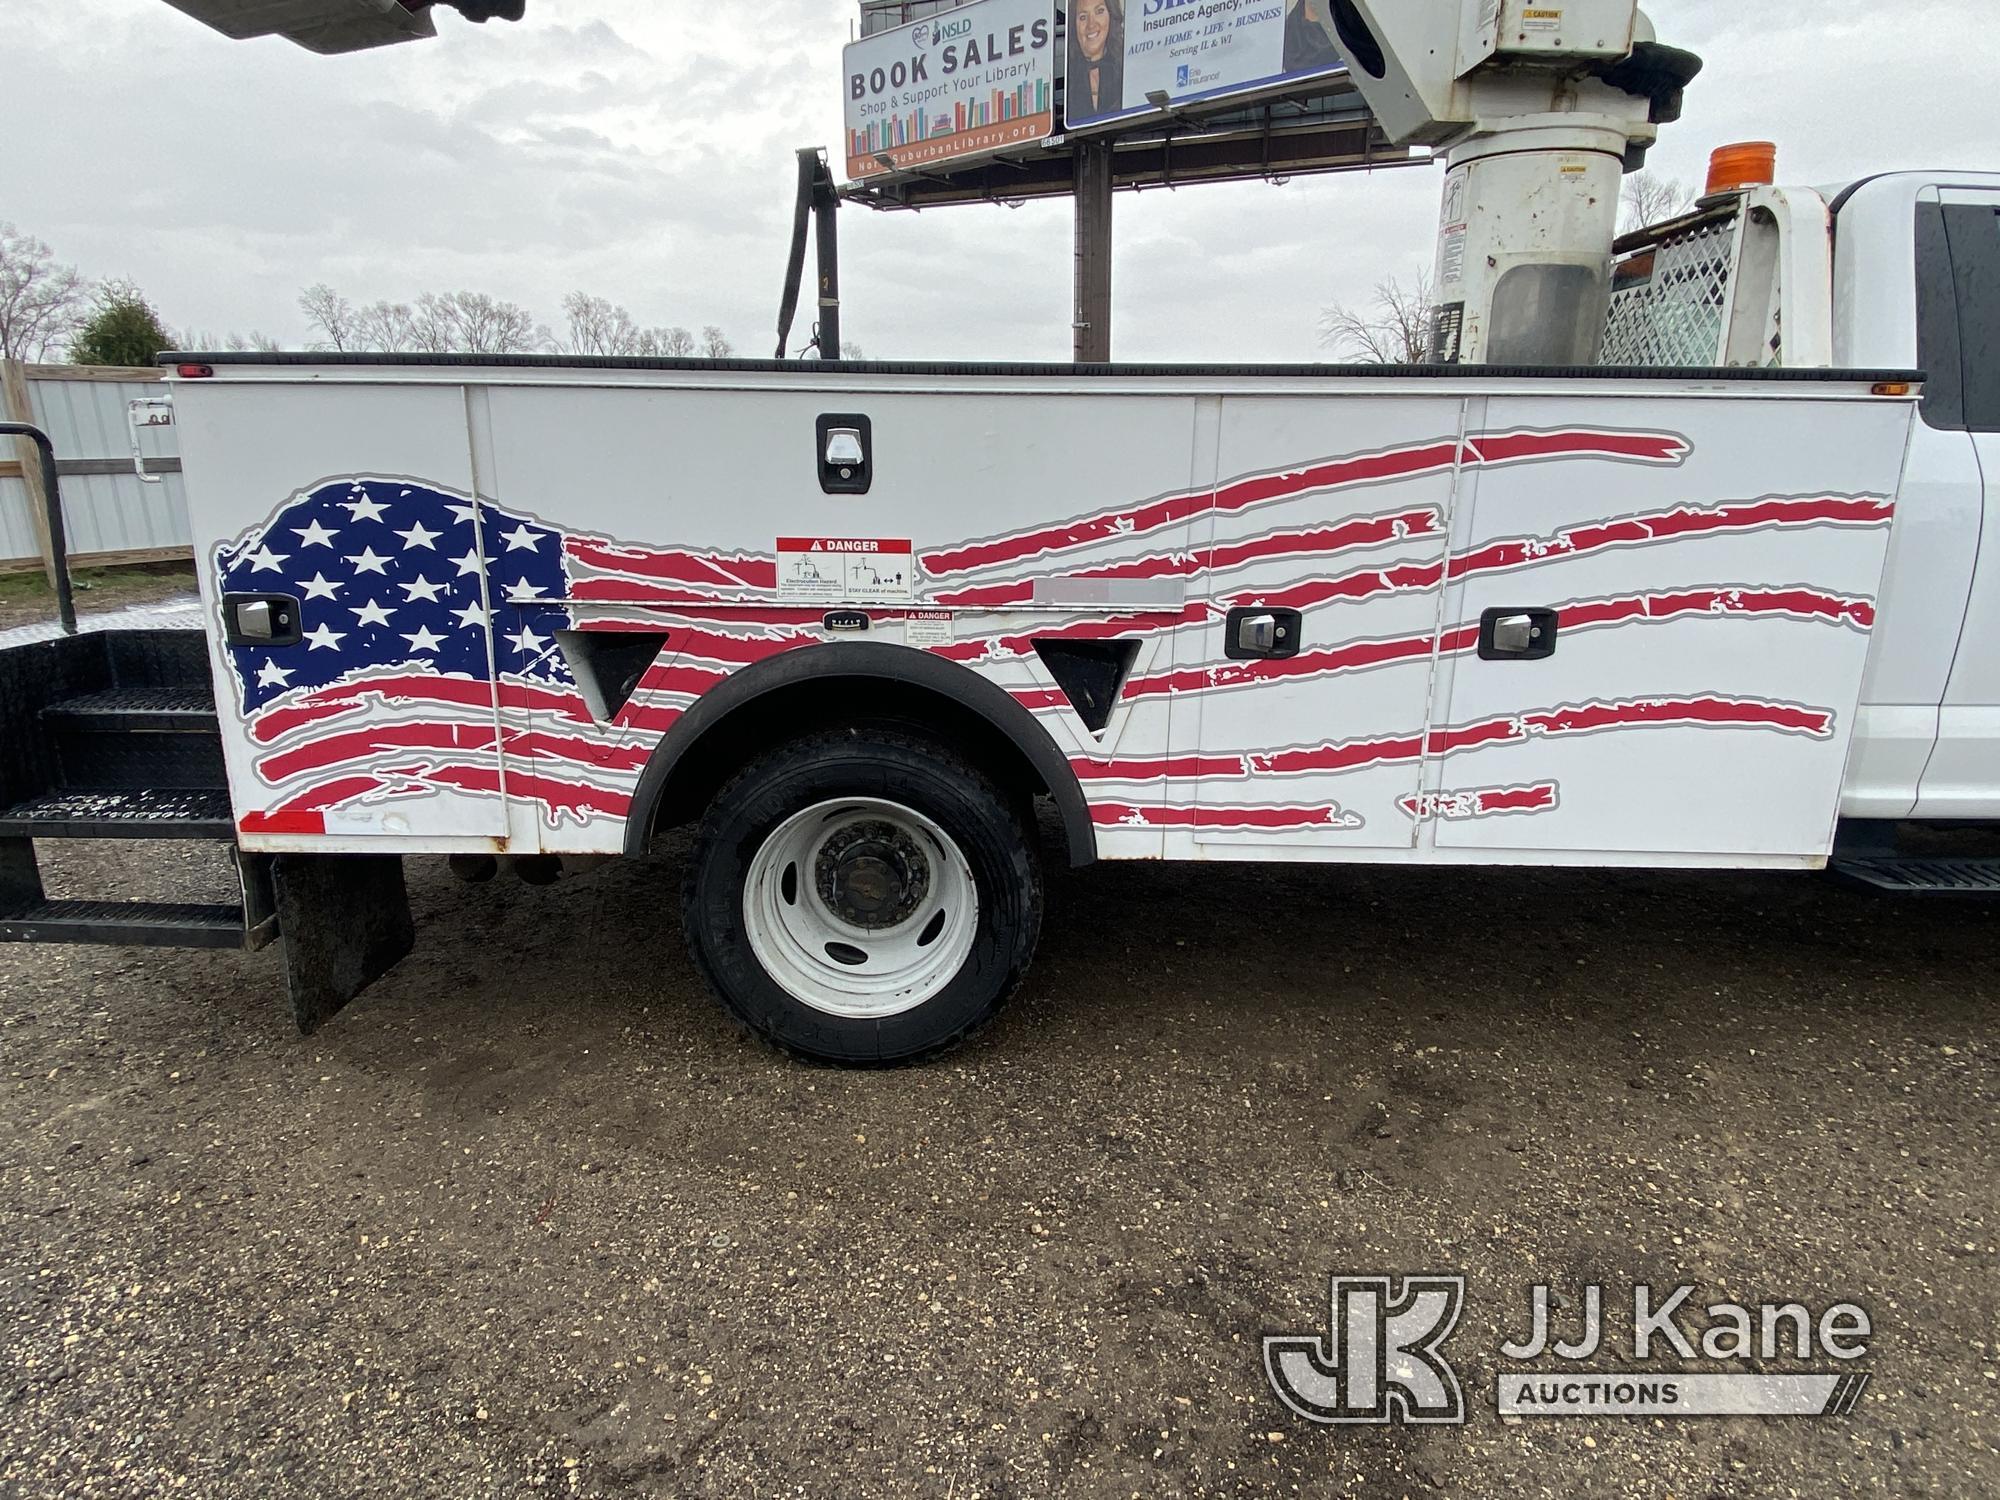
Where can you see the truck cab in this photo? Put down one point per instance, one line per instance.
(1916, 281)
(1899, 270)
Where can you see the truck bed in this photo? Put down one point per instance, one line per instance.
(598, 546)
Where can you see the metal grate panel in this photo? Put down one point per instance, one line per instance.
(149, 924)
(122, 814)
(1674, 316)
(121, 711)
(1925, 876)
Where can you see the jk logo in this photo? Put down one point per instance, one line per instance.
(1380, 1359)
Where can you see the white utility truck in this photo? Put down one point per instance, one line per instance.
(1680, 563)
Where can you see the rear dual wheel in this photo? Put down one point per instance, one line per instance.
(864, 897)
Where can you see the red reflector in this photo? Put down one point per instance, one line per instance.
(194, 372)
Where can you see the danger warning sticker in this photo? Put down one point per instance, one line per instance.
(927, 627)
(846, 570)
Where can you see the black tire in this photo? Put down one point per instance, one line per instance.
(892, 766)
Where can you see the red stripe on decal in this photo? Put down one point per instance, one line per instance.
(312, 823)
(1513, 729)
(1138, 520)
(306, 812)
(1482, 802)
(1115, 627)
(740, 571)
(575, 798)
(1800, 603)
(1349, 536)
(1674, 525)
(461, 692)
(1632, 447)
(1796, 603)
(1379, 467)
(1119, 814)
(1678, 524)
(606, 589)
(1354, 656)
(331, 750)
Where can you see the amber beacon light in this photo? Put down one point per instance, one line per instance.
(1746, 164)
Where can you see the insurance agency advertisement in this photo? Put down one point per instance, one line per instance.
(964, 83)
(1121, 51)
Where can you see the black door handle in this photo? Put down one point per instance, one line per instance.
(1518, 634)
(1262, 634)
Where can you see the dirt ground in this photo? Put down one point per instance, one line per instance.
(531, 1218)
(27, 599)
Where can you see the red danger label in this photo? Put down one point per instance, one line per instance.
(846, 569)
(843, 544)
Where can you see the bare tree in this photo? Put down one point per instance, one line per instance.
(597, 326)
(332, 314)
(475, 323)
(41, 302)
(1647, 200)
(199, 338)
(385, 328)
(1394, 330)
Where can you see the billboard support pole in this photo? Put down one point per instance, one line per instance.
(826, 207)
(1092, 317)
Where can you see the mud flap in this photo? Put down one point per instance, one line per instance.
(346, 922)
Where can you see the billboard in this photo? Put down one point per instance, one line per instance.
(963, 83)
(1122, 50)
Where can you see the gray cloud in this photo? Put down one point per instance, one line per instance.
(644, 151)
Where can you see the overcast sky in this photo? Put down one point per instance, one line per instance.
(642, 149)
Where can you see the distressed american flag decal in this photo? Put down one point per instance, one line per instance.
(431, 678)
(395, 599)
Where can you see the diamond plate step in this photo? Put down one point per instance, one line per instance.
(122, 815)
(140, 924)
(167, 709)
(1927, 877)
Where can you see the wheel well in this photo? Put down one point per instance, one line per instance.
(707, 748)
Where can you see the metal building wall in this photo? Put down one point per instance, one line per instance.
(109, 511)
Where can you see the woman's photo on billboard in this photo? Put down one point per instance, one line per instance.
(1096, 84)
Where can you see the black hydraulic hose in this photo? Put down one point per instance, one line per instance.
(52, 498)
(795, 270)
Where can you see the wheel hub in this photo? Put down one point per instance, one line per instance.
(872, 875)
(860, 907)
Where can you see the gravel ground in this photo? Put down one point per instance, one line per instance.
(26, 598)
(531, 1218)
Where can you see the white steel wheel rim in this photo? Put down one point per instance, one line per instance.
(860, 908)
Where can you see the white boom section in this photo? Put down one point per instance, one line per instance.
(327, 26)
(1537, 110)
(334, 26)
